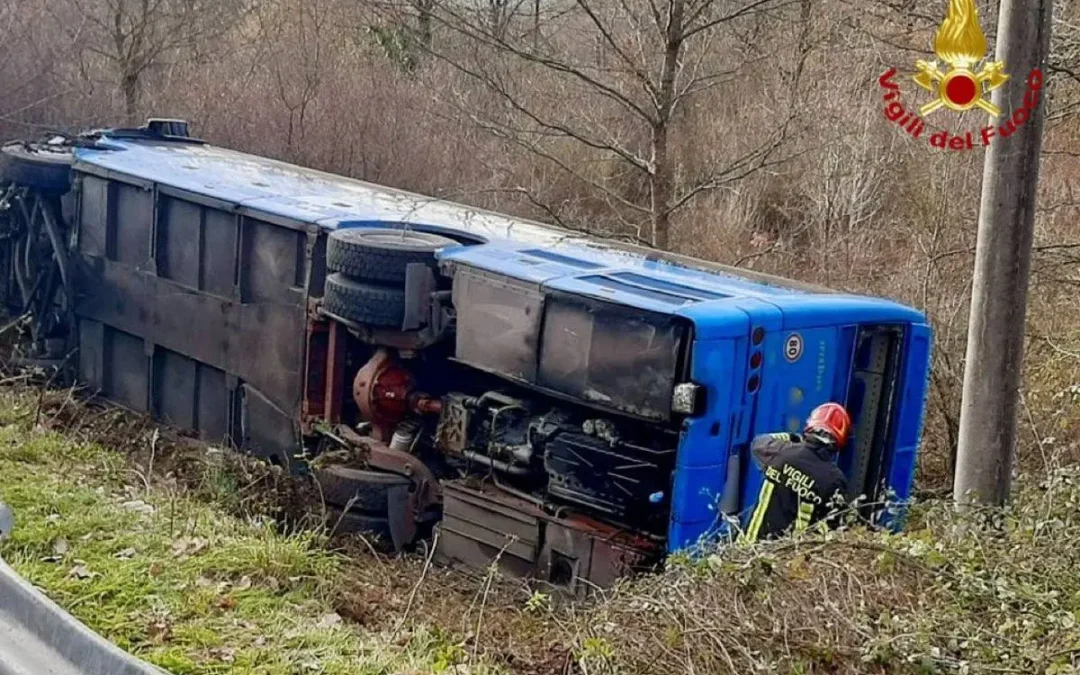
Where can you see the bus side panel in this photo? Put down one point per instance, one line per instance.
(801, 368)
(186, 306)
(910, 415)
(758, 400)
(701, 468)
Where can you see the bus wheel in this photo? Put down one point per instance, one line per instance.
(367, 490)
(381, 254)
(42, 166)
(364, 303)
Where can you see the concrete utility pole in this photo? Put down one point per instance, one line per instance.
(995, 349)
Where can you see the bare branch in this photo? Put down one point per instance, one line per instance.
(461, 26)
(563, 129)
(634, 68)
(755, 6)
(540, 152)
(755, 160)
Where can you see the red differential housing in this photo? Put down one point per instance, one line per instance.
(383, 390)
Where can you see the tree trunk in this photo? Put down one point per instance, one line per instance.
(498, 18)
(127, 46)
(663, 167)
(661, 180)
(536, 24)
(423, 21)
(129, 86)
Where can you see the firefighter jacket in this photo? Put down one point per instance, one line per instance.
(802, 486)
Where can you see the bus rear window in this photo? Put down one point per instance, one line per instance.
(610, 356)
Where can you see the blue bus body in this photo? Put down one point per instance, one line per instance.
(743, 401)
(762, 350)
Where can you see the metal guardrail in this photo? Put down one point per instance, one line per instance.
(37, 637)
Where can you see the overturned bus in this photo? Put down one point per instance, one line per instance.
(572, 407)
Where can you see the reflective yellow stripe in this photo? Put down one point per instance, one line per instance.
(759, 513)
(806, 511)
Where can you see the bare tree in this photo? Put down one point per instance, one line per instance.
(134, 36)
(26, 62)
(423, 22)
(601, 88)
(298, 51)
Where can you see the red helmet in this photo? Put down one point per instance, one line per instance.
(832, 419)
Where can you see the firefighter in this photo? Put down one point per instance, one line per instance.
(803, 486)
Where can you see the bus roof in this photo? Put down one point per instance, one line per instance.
(705, 298)
(636, 275)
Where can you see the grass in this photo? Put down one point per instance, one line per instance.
(176, 580)
(987, 592)
(181, 566)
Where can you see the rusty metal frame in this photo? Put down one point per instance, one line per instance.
(314, 406)
(477, 525)
(336, 379)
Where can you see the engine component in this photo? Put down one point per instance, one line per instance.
(383, 392)
(585, 462)
(493, 429)
(607, 474)
(403, 437)
(603, 429)
(380, 254)
(484, 524)
(580, 554)
(496, 464)
(508, 428)
(452, 434)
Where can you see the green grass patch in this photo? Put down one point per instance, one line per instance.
(177, 581)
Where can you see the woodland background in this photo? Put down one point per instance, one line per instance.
(746, 132)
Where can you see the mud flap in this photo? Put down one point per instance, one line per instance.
(400, 511)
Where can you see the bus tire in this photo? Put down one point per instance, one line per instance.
(47, 171)
(342, 484)
(351, 522)
(363, 303)
(380, 254)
